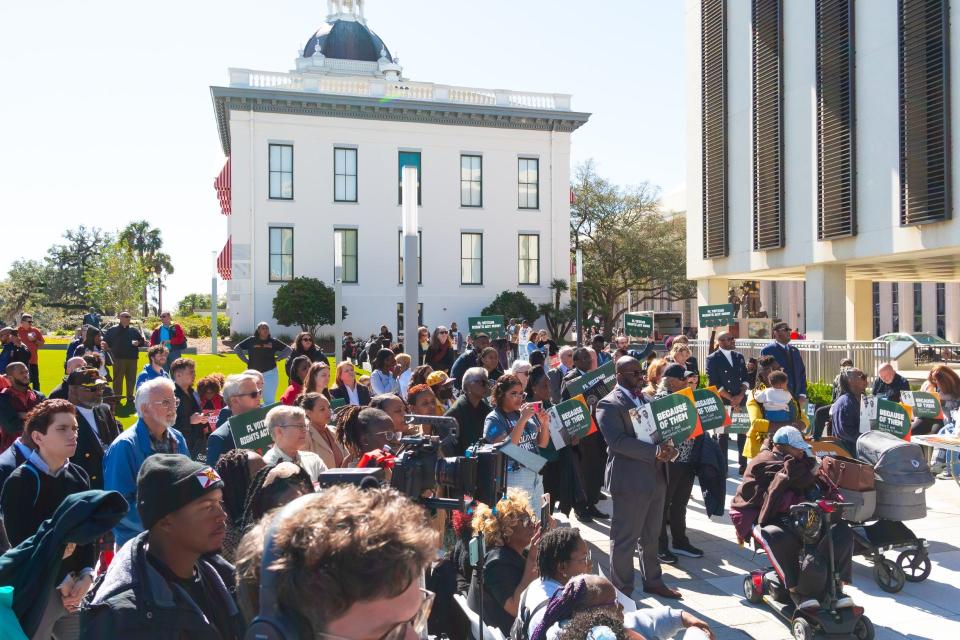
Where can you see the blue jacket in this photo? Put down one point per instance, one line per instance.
(732, 378)
(122, 463)
(797, 375)
(149, 374)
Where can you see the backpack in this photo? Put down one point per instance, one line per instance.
(519, 629)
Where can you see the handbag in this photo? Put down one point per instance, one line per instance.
(847, 473)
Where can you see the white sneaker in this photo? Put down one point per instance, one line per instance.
(844, 602)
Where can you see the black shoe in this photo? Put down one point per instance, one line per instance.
(687, 550)
(596, 513)
(584, 516)
(665, 557)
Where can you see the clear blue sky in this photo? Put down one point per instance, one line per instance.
(106, 117)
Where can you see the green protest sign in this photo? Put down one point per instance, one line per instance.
(336, 403)
(892, 418)
(739, 422)
(493, 326)
(250, 430)
(638, 324)
(673, 417)
(713, 414)
(924, 404)
(716, 315)
(595, 384)
(573, 417)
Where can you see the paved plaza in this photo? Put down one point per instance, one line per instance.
(712, 585)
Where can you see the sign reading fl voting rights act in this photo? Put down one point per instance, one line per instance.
(716, 315)
(638, 325)
(250, 429)
(594, 384)
(673, 417)
(493, 326)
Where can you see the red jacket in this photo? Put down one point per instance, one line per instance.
(178, 340)
(32, 345)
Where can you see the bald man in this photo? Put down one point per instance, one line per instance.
(889, 383)
(727, 371)
(15, 402)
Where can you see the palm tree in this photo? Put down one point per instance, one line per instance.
(146, 243)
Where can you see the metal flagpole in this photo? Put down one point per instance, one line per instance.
(580, 341)
(337, 296)
(410, 263)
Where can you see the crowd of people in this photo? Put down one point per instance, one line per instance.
(216, 538)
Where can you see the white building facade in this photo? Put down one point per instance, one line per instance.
(820, 156)
(316, 154)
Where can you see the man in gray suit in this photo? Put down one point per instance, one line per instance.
(557, 374)
(636, 478)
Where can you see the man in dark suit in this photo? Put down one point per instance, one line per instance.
(590, 450)
(557, 374)
(636, 477)
(97, 425)
(727, 371)
(788, 357)
(468, 359)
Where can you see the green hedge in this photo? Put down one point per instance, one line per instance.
(194, 326)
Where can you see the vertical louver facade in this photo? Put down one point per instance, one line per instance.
(836, 158)
(767, 125)
(923, 33)
(713, 125)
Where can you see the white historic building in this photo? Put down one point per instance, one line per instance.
(820, 156)
(316, 152)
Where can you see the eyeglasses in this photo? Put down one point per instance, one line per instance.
(252, 394)
(390, 436)
(418, 622)
(168, 404)
(299, 427)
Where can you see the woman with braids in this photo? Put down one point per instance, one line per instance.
(563, 554)
(507, 534)
(298, 373)
(271, 488)
(361, 430)
(317, 379)
(321, 435)
(525, 424)
(237, 468)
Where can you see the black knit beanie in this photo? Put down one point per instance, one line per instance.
(170, 481)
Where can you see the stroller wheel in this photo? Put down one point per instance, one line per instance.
(915, 564)
(803, 630)
(864, 629)
(889, 575)
(750, 591)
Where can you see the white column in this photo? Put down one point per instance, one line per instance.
(825, 287)
(766, 295)
(930, 307)
(411, 318)
(886, 307)
(859, 303)
(952, 295)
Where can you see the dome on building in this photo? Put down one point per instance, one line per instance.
(346, 40)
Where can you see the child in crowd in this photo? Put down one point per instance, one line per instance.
(776, 398)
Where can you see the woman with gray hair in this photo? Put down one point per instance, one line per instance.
(288, 428)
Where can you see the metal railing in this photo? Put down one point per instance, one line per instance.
(821, 357)
(927, 354)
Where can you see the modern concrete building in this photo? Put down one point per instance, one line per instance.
(316, 153)
(820, 153)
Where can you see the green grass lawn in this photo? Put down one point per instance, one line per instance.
(51, 374)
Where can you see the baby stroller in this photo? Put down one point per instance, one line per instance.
(811, 520)
(902, 478)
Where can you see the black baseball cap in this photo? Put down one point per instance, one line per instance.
(677, 372)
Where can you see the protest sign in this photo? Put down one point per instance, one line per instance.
(595, 384)
(924, 404)
(740, 421)
(493, 326)
(710, 408)
(570, 419)
(894, 418)
(868, 412)
(250, 430)
(638, 324)
(673, 418)
(336, 403)
(716, 315)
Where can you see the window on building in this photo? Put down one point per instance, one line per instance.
(876, 308)
(344, 175)
(408, 159)
(348, 240)
(471, 181)
(528, 183)
(281, 172)
(713, 126)
(768, 208)
(895, 305)
(281, 254)
(419, 256)
(471, 258)
(400, 317)
(942, 310)
(918, 306)
(528, 252)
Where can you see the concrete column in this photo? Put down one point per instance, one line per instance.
(930, 307)
(825, 287)
(886, 307)
(859, 310)
(766, 295)
(952, 295)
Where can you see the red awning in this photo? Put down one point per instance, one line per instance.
(225, 259)
(222, 185)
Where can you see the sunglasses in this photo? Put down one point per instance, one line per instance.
(252, 394)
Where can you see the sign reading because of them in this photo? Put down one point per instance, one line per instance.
(493, 326)
(638, 325)
(716, 315)
(250, 429)
(713, 414)
(893, 418)
(570, 419)
(924, 404)
(673, 417)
